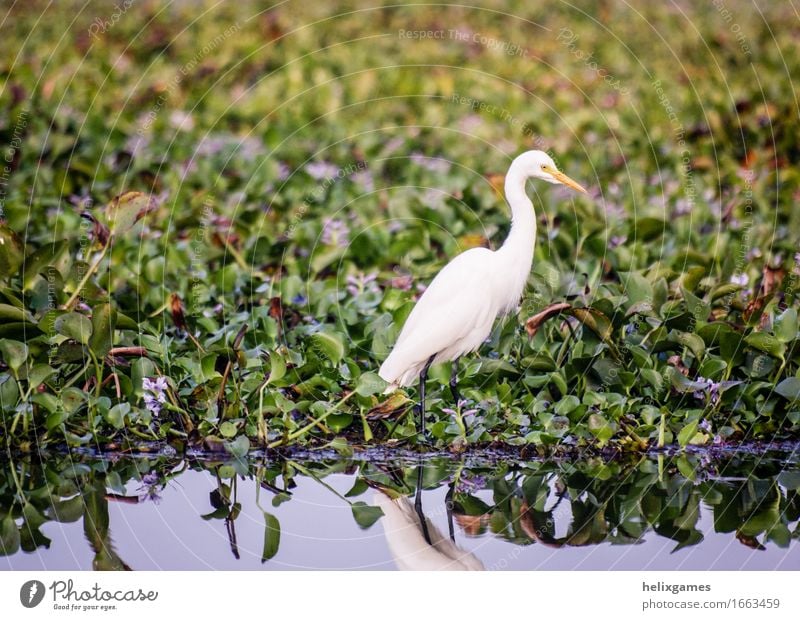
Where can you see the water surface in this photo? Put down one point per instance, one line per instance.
(720, 511)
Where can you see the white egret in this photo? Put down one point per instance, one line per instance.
(456, 312)
(415, 543)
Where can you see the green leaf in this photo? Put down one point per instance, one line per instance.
(39, 374)
(66, 511)
(116, 415)
(277, 367)
(272, 537)
(329, 345)
(600, 428)
(74, 326)
(595, 320)
(124, 210)
(9, 392)
(41, 258)
(9, 536)
(56, 418)
(365, 515)
(767, 343)
(73, 399)
(648, 228)
(102, 330)
(687, 433)
(228, 429)
(370, 383)
(567, 404)
(239, 447)
(637, 288)
(789, 388)
(693, 342)
(13, 313)
(14, 353)
(12, 251)
(786, 325)
(699, 309)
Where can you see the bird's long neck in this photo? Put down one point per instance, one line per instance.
(518, 246)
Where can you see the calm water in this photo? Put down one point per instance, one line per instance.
(698, 511)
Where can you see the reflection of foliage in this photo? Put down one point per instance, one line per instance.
(553, 504)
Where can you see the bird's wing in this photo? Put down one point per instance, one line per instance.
(459, 298)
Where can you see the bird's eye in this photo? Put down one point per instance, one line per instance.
(544, 166)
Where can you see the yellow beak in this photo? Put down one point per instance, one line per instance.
(563, 178)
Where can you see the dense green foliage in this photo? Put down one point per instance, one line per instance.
(246, 203)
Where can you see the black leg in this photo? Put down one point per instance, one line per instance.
(454, 382)
(448, 504)
(418, 504)
(423, 377)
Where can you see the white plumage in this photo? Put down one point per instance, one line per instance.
(456, 312)
(407, 544)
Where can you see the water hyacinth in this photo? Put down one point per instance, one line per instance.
(149, 489)
(364, 179)
(464, 412)
(362, 283)
(433, 164)
(741, 279)
(468, 484)
(335, 232)
(283, 171)
(155, 395)
(710, 389)
(319, 170)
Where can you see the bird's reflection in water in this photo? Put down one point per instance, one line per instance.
(414, 541)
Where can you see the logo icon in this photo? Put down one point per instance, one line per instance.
(31, 593)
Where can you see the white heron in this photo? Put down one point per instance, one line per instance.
(456, 312)
(415, 543)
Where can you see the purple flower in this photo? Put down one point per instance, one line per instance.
(365, 180)
(156, 394)
(464, 412)
(741, 279)
(470, 484)
(433, 164)
(705, 425)
(434, 198)
(362, 283)
(319, 170)
(283, 171)
(149, 489)
(335, 232)
(402, 283)
(709, 388)
(718, 440)
(616, 241)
